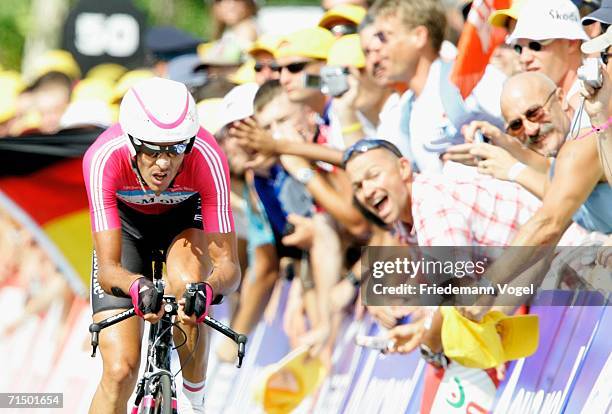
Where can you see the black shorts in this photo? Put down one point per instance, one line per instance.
(141, 234)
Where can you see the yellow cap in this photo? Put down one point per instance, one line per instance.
(499, 17)
(210, 114)
(342, 12)
(128, 80)
(56, 61)
(99, 89)
(265, 43)
(313, 42)
(11, 86)
(285, 384)
(496, 339)
(108, 71)
(346, 51)
(244, 74)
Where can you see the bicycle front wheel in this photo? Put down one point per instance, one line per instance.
(163, 396)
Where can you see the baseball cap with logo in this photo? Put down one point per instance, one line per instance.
(346, 51)
(312, 42)
(548, 19)
(285, 384)
(496, 339)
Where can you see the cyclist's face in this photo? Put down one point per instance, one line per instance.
(159, 170)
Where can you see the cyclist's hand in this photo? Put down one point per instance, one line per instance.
(200, 296)
(146, 300)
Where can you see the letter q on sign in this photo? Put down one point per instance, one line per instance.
(97, 34)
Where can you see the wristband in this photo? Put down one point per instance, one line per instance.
(351, 128)
(603, 127)
(515, 170)
(351, 277)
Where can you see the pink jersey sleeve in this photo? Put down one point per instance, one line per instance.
(211, 179)
(100, 168)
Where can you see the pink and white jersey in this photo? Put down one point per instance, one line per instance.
(109, 175)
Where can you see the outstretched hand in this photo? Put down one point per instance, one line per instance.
(251, 136)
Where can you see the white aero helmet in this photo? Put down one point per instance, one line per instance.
(160, 111)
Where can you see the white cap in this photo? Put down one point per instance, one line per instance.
(238, 103)
(86, 113)
(159, 110)
(599, 43)
(548, 19)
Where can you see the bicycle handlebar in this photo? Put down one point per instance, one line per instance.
(240, 339)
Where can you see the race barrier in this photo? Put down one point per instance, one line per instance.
(570, 373)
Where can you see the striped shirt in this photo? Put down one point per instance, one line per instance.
(110, 175)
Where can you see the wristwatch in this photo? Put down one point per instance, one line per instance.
(304, 175)
(437, 359)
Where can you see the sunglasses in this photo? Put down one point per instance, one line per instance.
(533, 45)
(605, 56)
(272, 66)
(155, 151)
(296, 67)
(365, 145)
(533, 114)
(343, 29)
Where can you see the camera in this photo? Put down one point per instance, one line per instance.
(334, 80)
(590, 73)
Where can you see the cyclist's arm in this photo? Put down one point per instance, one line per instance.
(113, 278)
(225, 275)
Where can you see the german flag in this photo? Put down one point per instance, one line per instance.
(42, 187)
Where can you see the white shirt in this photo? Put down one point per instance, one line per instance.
(428, 116)
(389, 126)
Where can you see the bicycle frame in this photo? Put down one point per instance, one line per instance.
(159, 348)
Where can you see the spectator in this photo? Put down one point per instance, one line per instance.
(234, 22)
(262, 52)
(549, 43)
(301, 55)
(330, 4)
(407, 43)
(362, 103)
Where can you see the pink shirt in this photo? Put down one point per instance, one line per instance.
(109, 175)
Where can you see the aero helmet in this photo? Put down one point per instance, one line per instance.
(160, 111)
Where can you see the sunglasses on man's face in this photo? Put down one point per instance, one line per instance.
(155, 151)
(366, 145)
(534, 114)
(272, 66)
(533, 45)
(296, 67)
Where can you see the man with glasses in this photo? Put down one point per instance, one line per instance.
(263, 52)
(157, 181)
(547, 38)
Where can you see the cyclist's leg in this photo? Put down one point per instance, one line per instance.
(187, 262)
(120, 349)
(119, 344)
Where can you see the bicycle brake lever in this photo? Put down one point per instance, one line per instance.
(241, 340)
(94, 328)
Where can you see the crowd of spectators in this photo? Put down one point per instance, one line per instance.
(343, 135)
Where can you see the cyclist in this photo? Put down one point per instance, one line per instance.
(156, 181)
